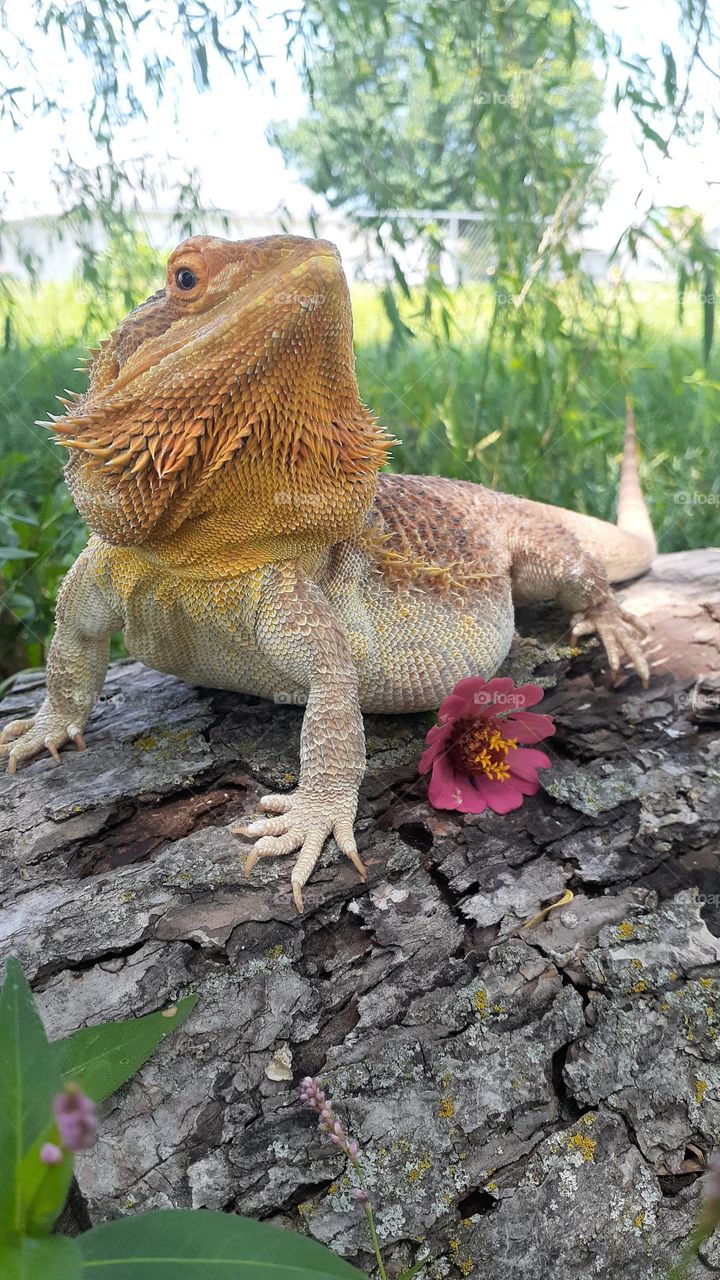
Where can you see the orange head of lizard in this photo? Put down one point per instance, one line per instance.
(224, 410)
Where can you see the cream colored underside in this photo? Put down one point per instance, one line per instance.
(410, 647)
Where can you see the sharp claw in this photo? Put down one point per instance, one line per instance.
(358, 863)
(297, 897)
(250, 861)
(80, 742)
(53, 751)
(12, 764)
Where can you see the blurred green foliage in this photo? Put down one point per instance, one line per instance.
(437, 106)
(518, 383)
(40, 531)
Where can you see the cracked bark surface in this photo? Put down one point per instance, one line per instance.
(530, 1101)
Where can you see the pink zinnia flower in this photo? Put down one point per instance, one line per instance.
(474, 752)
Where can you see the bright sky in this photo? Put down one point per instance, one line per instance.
(223, 132)
(684, 176)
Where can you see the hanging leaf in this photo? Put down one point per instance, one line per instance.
(400, 329)
(708, 313)
(100, 1059)
(651, 134)
(670, 80)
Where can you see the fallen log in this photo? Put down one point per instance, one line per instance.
(529, 1099)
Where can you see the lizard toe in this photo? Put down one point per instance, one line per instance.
(620, 632)
(15, 729)
(277, 803)
(272, 847)
(22, 740)
(264, 827)
(309, 818)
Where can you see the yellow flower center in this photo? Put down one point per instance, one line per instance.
(481, 748)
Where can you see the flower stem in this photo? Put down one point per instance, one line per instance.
(375, 1241)
(370, 1221)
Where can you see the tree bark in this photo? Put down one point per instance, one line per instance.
(531, 1100)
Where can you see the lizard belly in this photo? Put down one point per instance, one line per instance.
(208, 650)
(411, 647)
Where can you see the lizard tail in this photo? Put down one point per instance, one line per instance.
(627, 548)
(632, 513)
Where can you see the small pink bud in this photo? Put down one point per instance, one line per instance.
(313, 1097)
(50, 1154)
(361, 1196)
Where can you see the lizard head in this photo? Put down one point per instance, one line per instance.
(225, 408)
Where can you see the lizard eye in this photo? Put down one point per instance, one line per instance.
(185, 278)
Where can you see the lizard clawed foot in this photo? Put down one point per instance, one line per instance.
(23, 739)
(620, 632)
(305, 819)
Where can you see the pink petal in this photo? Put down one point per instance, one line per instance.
(525, 762)
(528, 786)
(470, 685)
(473, 800)
(438, 738)
(500, 796)
(454, 707)
(494, 695)
(474, 697)
(525, 695)
(445, 789)
(528, 726)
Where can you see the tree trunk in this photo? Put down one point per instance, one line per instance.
(531, 1100)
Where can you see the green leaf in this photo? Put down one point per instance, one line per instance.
(100, 1059)
(29, 1079)
(416, 1269)
(181, 1244)
(651, 134)
(54, 1259)
(708, 314)
(670, 78)
(16, 553)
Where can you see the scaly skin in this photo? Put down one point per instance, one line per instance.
(243, 539)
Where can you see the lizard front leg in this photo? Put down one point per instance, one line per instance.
(76, 667)
(549, 563)
(297, 630)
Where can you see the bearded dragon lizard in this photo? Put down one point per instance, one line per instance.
(243, 538)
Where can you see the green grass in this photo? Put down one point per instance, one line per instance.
(547, 424)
